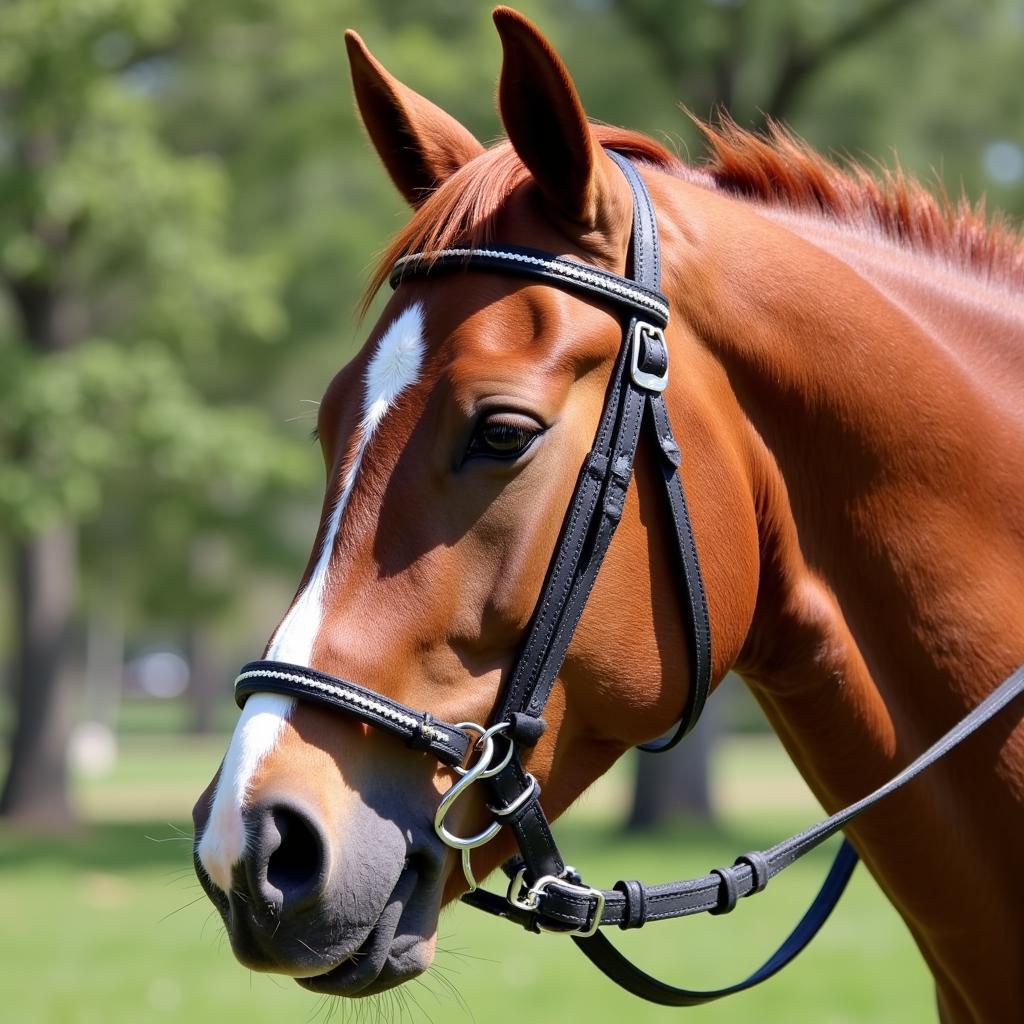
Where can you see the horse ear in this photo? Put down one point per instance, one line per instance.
(546, 123)
(419, 144)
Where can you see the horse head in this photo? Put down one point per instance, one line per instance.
(452, 444)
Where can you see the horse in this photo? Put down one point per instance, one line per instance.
(847, 366)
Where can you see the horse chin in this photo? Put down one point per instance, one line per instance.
(399, 946)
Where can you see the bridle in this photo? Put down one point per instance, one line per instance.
(545, 894)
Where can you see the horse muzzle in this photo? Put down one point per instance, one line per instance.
(347, 915)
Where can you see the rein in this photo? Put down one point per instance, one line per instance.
(545, 894)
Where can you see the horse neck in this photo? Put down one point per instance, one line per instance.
(880, 396)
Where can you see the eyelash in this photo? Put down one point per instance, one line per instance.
(522, 434)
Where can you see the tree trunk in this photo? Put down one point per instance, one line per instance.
(36, 787)
(676, 784)
(204, 680)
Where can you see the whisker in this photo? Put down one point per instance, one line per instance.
(206, 924)
(320, 956)
(452, 990)
(191, 903)
(331, 1006)
(417, 1003)
(315, 1012)
(182, 833)
(181, 875)
(445, 970)
(461, 954)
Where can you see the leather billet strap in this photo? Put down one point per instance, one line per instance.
(420, 730)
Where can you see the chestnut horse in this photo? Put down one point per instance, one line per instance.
(847, 388)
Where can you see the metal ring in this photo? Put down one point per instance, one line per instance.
(483, 735)
(482, 769)
(469, 776)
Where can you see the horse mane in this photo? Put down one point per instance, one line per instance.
(779, 169)
(774, 167)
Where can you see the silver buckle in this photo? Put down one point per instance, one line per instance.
(530, 900)
(649, 381)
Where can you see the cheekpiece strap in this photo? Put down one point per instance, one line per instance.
(420, 730)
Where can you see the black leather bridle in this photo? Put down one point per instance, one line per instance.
(544, 893)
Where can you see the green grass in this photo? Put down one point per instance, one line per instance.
(102, 928)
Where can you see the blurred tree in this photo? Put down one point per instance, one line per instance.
(120, 285)
(706, 48)
(677, 783)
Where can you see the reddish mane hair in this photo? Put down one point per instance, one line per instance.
(775, 168)
(780, 169)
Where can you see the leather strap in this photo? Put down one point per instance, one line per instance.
(596, 506)
(590, 523)
(605, 956)
(535, 264)
(570, 907)
(419, 729)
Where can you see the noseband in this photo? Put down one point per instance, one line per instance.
(545, 894)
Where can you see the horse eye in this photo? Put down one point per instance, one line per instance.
(502, 436)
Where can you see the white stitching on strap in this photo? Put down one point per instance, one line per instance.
(350, 697)
(562, 267)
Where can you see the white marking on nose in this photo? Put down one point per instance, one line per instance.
(256, 734)
(394, 366)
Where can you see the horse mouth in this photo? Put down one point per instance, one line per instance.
(386, 957)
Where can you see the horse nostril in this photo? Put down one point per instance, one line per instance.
(291, 853)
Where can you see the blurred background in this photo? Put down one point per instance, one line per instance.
(187, 211)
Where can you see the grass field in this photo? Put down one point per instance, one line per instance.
(108, 927)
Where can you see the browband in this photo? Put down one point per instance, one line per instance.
(561, 271)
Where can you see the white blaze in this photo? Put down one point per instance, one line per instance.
(394, 366)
